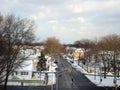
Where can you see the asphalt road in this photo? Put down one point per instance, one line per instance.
(75, 80)
(66, 81)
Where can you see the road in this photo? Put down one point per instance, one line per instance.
(75, 80)
(66, 81)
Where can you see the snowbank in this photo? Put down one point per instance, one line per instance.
(95, 77)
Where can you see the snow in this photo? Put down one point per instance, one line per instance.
(108, 81)
(27, 65)
(78, 68)
(51, 72)
(95, 77)
(51, 78)
(109, 73)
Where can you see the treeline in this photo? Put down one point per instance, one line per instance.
(14, 33)
(106, 50)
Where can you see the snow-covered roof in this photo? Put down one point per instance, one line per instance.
(79, 50)
(27, 65)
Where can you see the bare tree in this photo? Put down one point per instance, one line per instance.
(53, 46)
(14, 34)
(87, 45)
(110, 44)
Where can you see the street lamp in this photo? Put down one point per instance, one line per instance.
(56, 62)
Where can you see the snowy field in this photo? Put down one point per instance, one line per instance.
(108, 81)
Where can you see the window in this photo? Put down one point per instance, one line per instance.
(24, 73)
(16, 73)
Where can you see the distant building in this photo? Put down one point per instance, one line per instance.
(29, 64)
(24, 72)
(78, 53)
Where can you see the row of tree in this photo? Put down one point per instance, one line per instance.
(105, 49)
(14, 34)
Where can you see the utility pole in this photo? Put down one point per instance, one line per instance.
(52, 75)
(56, 62)
(57, 80)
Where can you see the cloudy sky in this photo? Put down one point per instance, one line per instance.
(67, 20)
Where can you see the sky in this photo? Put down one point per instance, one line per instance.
(67, 20)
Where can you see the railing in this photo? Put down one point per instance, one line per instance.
(27, 82)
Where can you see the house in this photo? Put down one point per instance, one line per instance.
(78, 53)
(24, 72)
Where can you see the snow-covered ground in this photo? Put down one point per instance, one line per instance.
(39, 76)
(105, 81)
(51, 79)
(94, 77)
(51, 72)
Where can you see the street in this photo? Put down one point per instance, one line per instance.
(74, 80)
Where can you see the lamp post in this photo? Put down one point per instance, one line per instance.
(56, 62)
(100, 72)
(52, 75)
(95, 67)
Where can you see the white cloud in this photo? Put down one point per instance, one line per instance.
(67, 19)
(40, 13)
(77, 20)
(84, 28)
(87, 6)
(65, 34)
(8, 2)
(62, 31)
(75, 8)
(8, 6)
(52, 22)
(59, 30)
(37, 16)
(46, 13)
